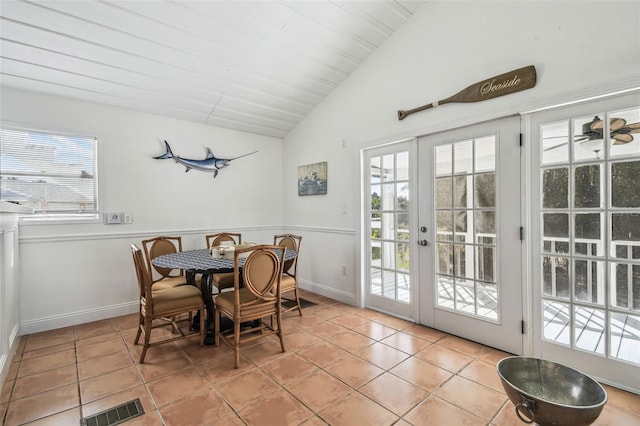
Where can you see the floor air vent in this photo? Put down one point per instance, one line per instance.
(115, 415)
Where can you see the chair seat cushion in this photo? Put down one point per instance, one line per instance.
(226, 302)
(287, 283)
(169, 282)
(223, 280)
(180, 297)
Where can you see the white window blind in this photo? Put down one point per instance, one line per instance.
(53, 173)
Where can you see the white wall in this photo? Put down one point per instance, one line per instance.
(577, 51)
(75, 273)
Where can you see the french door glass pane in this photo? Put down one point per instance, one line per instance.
(588, 234)
(625, 286)
(555, 276)
(444, 226)
(465, 198)
(624, 184)
(588, 143)
(485, 190)
(445, 292)
(486, 262)
(402, 166)
(375, 275)
(589, 281)
(485, 154)
(375, 170)
(555, 188)
(389, 236)
(590, 216)
(444, 165)
(587, 187)
(463, 157)
(388, 226)
(388, 168)
(589, 329)
(625, 344)
(488, 300)
(555, 142)
(556, 317)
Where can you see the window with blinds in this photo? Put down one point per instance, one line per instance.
(55, 174)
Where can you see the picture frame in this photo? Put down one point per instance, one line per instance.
(312, 179)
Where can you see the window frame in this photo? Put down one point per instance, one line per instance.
(68, 217)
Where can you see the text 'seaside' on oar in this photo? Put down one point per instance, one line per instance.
(500, 85)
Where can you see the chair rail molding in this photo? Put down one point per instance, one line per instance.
(93, 236)
(342, 231)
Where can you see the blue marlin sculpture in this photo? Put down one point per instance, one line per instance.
(210, 164)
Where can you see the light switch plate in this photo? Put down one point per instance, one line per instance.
(113, 218)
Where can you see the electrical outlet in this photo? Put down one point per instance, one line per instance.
(128, 218)
(344, 269)
(113, 218)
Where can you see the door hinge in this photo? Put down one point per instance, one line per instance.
(521, 139)
(522, 326)
(522, 233)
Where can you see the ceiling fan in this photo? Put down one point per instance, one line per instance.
(620, 131)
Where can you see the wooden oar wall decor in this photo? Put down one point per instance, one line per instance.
(500, 85)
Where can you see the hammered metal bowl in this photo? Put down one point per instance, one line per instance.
(549, 393)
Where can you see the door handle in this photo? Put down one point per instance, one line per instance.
(422, 242)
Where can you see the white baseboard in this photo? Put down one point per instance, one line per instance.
(332, 293)
(89, 315)
(80, 317)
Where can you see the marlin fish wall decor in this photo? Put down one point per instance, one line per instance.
(210, 164)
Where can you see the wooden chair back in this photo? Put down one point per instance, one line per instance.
(158, 246)
(290, 242)
(215, 239)
(144, 279)
(261, 272)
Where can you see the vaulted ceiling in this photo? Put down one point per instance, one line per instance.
(254, 66)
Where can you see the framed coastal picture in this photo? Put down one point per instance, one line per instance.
(312, 179)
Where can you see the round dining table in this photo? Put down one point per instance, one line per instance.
(201, 261)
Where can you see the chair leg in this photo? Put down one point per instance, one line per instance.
(140, 325)
(147, 337)
(295, 292)
(279, 324)
(236, 340)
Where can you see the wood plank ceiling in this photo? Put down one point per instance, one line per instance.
(254, 66)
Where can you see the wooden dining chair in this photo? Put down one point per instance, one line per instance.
(163, 278)
(223, 280)
(255, 297)
(162, 306)
(289, 282)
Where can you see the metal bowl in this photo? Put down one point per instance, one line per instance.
(549, 393)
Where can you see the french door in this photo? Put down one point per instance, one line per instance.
(585, 245)
(389, 181)
(468, 232)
